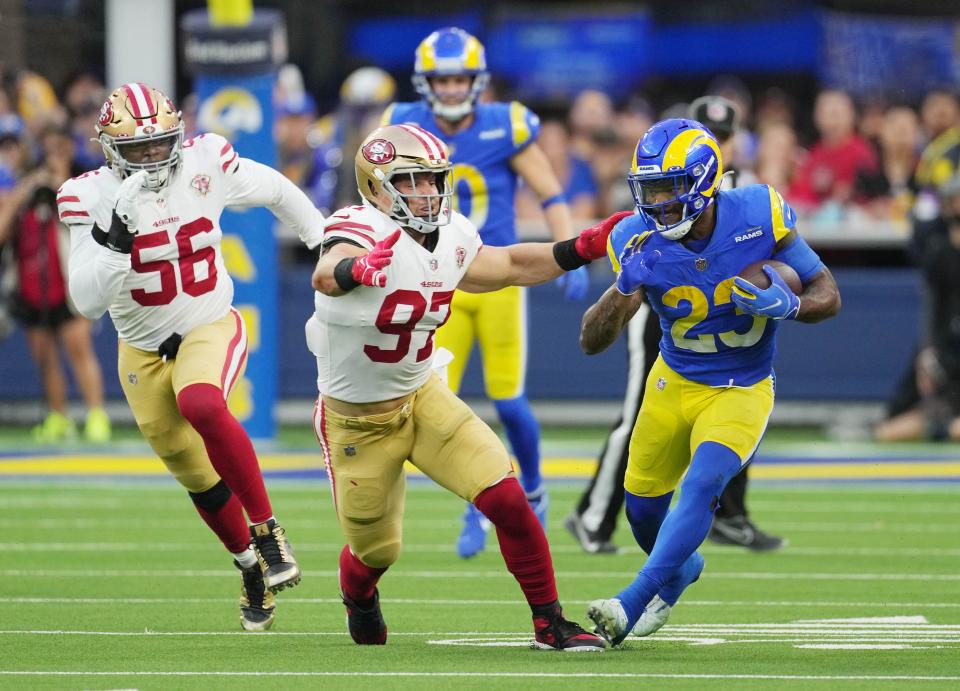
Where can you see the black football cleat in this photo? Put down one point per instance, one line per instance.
(553, 632)
(280, 568)
(256, 602)
(366, 624)
(741, 532)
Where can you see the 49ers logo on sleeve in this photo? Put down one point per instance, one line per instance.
(106, 114)
(379, 151)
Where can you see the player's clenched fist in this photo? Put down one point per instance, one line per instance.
(592, 243)
(127, 195)
(366, 270)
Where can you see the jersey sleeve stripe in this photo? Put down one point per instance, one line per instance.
(780, 230)
(518, 124)
(353, 229)
(67, 214)
(226, 164)
(68, 198)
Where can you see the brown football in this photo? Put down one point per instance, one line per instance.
(754, 274)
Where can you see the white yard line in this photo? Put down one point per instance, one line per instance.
(497, 675)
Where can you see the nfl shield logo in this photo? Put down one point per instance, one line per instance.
(132, 378)
(461, 257)
(661, 384)
(701, 264)
(434, 264)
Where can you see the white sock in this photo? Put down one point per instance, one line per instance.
(246, 558)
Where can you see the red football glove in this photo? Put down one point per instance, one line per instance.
(366, 269)
(592, 243)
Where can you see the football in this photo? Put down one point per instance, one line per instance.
(754, 274)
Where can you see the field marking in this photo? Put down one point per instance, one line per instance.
(399, 573)
(447, 548)
(498, 675)
(420, 602)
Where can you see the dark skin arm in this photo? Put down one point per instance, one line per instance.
(820, 298)
(605, 319)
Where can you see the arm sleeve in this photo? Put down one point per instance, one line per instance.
(96, 273)
(254, 184)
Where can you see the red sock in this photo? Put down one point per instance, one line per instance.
(229, 524)
(522, 542)
(357, 580)
(228, 447)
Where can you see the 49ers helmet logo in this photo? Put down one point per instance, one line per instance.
(106, 114)
(379, 151)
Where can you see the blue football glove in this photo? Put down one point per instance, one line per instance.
(775, 302)
(575, 284)
(636, 269)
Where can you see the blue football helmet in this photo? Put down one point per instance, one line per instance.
(447, 52)
(680, 158)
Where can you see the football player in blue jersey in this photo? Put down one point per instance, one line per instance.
(490, 145)
(710, 394)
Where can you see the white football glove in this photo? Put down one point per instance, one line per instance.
(127, 200)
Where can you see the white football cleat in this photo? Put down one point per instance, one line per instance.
(653, 618)
(610, 619)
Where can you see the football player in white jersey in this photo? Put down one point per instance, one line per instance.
(145, 245)
(384, 285)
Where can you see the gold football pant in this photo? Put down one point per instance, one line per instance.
(678, 415)
(214, 354)
(364, 456)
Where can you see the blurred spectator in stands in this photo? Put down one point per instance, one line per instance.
(363, 96)
(888, 187)
(311, 150)
(29, 222)
(927, 403)
(775, 107)
(743, 148)
(13, 153)
(940, 115)
(824, 182)
(295, 116)
(573, 172)
(591, 123)
(83, 96)
(722, 117)
(38, 106)
(871, 120)
(778, 154)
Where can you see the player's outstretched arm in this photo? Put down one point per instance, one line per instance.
(254, 184)
(605, 319)
(532, 263)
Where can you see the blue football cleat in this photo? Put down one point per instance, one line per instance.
(473, 537)
(540, 502)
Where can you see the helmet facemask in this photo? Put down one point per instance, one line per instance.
(685, 199)
(400, 209)
(158, 172)
(452, 112)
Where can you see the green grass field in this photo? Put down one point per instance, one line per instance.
(117, 584)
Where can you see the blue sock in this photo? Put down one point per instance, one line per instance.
(645, 514)
(684, 528)
(523, 431)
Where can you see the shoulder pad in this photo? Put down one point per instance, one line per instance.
(78, 197)
(361, 225)
(215, 147)
(524, 125)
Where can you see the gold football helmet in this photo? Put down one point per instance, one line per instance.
(134, 121)
(399, 150)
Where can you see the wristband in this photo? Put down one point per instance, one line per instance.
(343, 275)
(118, 238)
(566, 256)
(559, 198)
